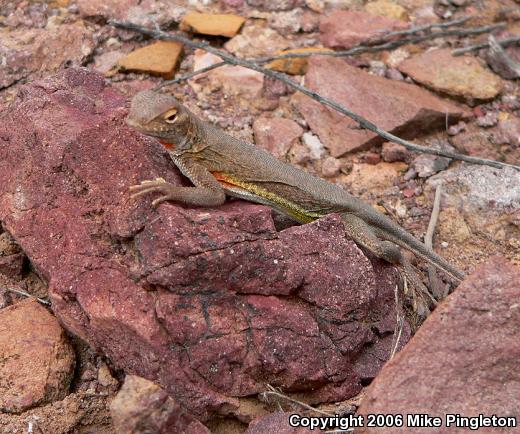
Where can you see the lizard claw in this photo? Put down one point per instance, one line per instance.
(158, 185)
(147, 184)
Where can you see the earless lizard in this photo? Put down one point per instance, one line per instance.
(218, 165)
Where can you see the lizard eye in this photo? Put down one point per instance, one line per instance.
(170, 116)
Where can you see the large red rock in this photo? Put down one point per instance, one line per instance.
(464, 358)
(210, 304)
(344, 29)
(36, 360)
(400, 108)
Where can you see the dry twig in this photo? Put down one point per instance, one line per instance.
(511, 69)
(191, 74)
(381, 45)
(274, 392)
(435, 284)
(26, 294)
(503, 43)
(363, 123)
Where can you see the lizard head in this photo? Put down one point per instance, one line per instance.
(163, 117)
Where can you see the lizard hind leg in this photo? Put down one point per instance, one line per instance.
(364, 235)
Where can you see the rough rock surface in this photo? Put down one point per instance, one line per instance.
(44, 51)
(464, 358)
(142, 12)
(461, 76)
(488, 198)
(344, 29)
(275, 423)
(232, 80)
(143, 407)
(78, 412)
(276, 135)
(256, 40)
(36, 361)
(401, 108)
(210, 304)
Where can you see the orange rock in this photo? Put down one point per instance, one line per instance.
(295, 65)
(37, 361)
(212, 24)
(159, 58)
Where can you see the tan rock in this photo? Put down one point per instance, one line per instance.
(295, 65)
(276, 135)
(330, 167)
(256, 39)
(212, 24)
(79, 412)
(237, 80)
(372, 177)
(160, 58)
(233, 80)
(387, 9)
(461, 76)
(36, 361)
(107, 9)
(141, 407)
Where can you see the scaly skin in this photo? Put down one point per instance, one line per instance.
(219, 164)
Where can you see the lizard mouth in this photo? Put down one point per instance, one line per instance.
(137, 126)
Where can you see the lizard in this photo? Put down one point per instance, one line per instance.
(218, 165)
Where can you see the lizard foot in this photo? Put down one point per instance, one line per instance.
(158, 185)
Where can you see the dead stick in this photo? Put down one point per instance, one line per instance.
(192, 74)
(26, 294)
(503, 43)
(376, 46)
(435, 284)
(272, 391)
(363, 123)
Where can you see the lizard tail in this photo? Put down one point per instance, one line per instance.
(408, 242)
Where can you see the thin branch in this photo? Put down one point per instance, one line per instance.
(26, 294)
(435, 284)
(503, 43)
(399, 325)
(273, 391)
(380, 45)
(364, 123)
(511, 69)
(424, 27)
(191, 74)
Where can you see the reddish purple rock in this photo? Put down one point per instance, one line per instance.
(210, 304)
(463, 360)
(344, 29)
(401, 108)
(276, 135)
(275, 423)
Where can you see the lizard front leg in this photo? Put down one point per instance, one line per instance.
(207, 190)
